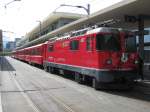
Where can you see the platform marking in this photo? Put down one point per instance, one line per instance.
(60, 102)
(1, 110)
(54, 98)
(71, 84)
(57, 100)
(34, 107)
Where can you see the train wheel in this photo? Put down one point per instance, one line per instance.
(45, 68)
(95, 84)
(51, 70)
(32, 64)
(78, 78)
(29, 62)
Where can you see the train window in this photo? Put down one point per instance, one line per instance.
(28, 52)
(38, 51)
(130, 43)
(33, 51)
(74, 45)
(88, 43)
(108, 42)
(51, 48)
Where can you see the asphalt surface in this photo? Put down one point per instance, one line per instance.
(25, 88)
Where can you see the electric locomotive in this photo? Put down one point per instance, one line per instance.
(104, 55)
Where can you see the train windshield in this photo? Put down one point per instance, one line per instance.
(130, 43)
(109, 42)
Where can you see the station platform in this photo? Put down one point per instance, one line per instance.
(25, 88)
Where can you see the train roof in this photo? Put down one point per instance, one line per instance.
(85, 31)
(103, 29)
(36, 45)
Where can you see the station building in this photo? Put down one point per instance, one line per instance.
(54, 21)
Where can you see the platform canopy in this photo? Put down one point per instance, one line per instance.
(117, 11)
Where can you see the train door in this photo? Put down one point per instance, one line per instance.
(74, 52)
(88, 52)
(44, 49)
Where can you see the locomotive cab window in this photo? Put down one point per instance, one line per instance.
(51, 48)
(109, 42)
(74, 45)
(130, 43)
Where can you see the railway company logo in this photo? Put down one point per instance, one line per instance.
(65, 44)
(82, 40)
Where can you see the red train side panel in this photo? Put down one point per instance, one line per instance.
(101, 53)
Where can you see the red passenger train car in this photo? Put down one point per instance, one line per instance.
(20, 54)
(102, 55)
(35, 54)
(32, 55)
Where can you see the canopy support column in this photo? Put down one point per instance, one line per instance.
(141, 36)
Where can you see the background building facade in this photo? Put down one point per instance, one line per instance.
(1, 41)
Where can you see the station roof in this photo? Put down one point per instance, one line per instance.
(116, 11)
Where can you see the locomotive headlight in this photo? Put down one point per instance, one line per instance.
(124, 57)
(136, 62)
(109, 61)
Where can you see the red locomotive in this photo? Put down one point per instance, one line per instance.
(103, 55)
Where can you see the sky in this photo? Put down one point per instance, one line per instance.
(20, 17)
